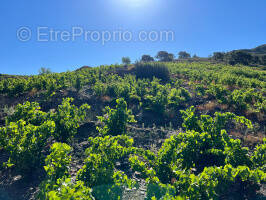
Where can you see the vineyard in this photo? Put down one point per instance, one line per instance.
(145, 131)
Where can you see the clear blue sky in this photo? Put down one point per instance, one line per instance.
(200, 26)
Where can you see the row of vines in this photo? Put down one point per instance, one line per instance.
(201, 161)
(242, 88)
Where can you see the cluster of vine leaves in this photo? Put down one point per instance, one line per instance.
(201, 163)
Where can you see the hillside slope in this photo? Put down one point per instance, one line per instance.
(260, 50)
(193, 130)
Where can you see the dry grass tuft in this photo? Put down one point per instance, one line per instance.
(209, 106)
(106, 99)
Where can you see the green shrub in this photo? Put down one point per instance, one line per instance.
(78, 84)
(25, 143)
(29, 112)
(261, 106)
(241, 99)
(216, 181)
(259, 156)
(178, 96)
(237, 155)
(99, 169)
(157, 100)
(57, 161)
(190, 120)
(100, 88)
(67, 119)
(114, 121)
(66, 189)
(219, 92)
(205, 123)
(157, 190)
(150, 70)
(58, 184)
(200, 89)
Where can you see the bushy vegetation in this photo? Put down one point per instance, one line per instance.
(240, 57)
(114, 122)
(147, 58)
(24, 143)
(67, 119)
(126, 60)
(58, 184)
(164, 56)
(160, 97)
(44, 70)
(28, 129)
(99, 169)
(150, 70)
(203, 162)
(183, 55)
(199, 161)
